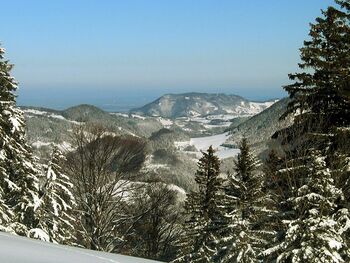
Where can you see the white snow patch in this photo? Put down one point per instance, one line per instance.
(181, 193)
(64, 146)
(138, 116)
(181, 145)
(2, 154)
(35, 112)
(216, 141)
(38, 233)
(335, 244)
(39, 144)
(165, 122)
(16, 125)
(120, 114)
(48, 114)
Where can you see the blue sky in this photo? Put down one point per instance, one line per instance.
(114, 51)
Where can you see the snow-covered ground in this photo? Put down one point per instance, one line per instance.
(216, 141)
(14, 249)
(63, 146)
(203, 143)
(167, 123)
(32, 112)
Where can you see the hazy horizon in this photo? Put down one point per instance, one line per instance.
(128, 53)
(56, 99)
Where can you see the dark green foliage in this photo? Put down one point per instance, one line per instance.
(317, 95)
(320, 107)
(319, 103)
(248, 208)
(205, 213)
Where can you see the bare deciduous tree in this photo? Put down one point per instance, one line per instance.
(101, 167)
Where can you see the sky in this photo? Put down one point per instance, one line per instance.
(128, 52)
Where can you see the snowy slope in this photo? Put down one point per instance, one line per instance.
(14, 249)
(203, 143)
(259, 128)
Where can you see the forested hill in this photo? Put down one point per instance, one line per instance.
(201, 104)
(260, 127)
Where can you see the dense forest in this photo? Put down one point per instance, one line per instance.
(292, 206)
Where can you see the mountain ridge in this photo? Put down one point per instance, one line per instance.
(194, 104)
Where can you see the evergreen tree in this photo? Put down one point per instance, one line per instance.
(319, 96)
(316, 235)
(7, 86)
(248, 206)
(19, 181)
(56, 211)
(5, 212)
(271, 167)
(205, 213)
(320, 106)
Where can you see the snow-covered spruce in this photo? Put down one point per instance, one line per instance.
(18, 175)
(320, 107)
(205, 213)
(57, 202)
(246, 234)
(316, 235)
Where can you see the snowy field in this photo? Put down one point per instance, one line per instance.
(203, 143)
(14, 249)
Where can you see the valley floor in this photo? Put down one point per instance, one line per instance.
(216, 141)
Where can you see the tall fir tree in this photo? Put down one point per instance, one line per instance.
(7, 86)
(271, 166)
(318, 91)
(19, 181)
(320, 106)
(319, 96)
(56, 211)
(248, 206)
(205, 213)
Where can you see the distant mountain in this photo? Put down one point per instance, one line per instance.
(45, 126)
(86, 113)
(171, 143)
(201, 104)
(259, 128)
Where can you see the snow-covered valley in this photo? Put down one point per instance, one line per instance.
(216, 141)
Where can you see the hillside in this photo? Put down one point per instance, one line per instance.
(259, 128)
(201, 104)
(46, 126)
(172, 144)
